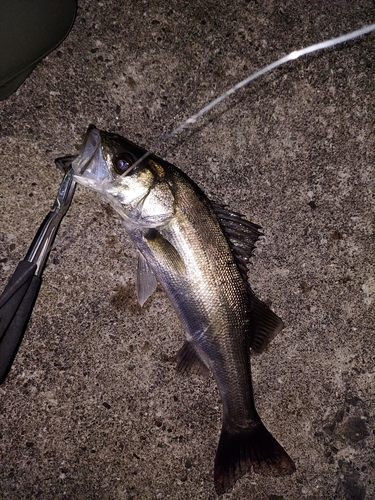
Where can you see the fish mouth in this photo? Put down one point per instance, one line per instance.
(90, 168)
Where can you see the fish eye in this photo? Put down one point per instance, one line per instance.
(122, 162)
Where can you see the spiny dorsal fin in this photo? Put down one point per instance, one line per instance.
(189, 362)
(240, 233)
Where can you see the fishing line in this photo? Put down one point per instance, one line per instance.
(290, 57)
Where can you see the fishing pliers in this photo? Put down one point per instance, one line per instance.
(18, 298)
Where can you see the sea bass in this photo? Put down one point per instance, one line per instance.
(198, 250)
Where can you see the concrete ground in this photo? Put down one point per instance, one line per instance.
(93, 407)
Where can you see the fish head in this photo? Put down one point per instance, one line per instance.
(140, 194)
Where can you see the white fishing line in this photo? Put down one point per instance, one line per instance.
(290, 57)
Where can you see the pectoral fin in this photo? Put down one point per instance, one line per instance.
(146, 280)
(165, 252)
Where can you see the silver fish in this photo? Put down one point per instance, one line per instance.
(198, 251)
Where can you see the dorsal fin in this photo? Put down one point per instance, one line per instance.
(242, 236)
(265, 324)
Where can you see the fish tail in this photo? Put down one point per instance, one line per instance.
(241, 450)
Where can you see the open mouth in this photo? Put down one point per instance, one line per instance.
(90, 167)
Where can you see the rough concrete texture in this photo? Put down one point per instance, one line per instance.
(93, 407)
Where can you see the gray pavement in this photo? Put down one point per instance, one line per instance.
(93, 407)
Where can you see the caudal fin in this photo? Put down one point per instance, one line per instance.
(255, 448)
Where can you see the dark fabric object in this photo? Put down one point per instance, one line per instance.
(29, 30)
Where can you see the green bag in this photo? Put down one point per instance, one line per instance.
(29, 30)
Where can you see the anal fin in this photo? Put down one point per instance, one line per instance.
(189, 362)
